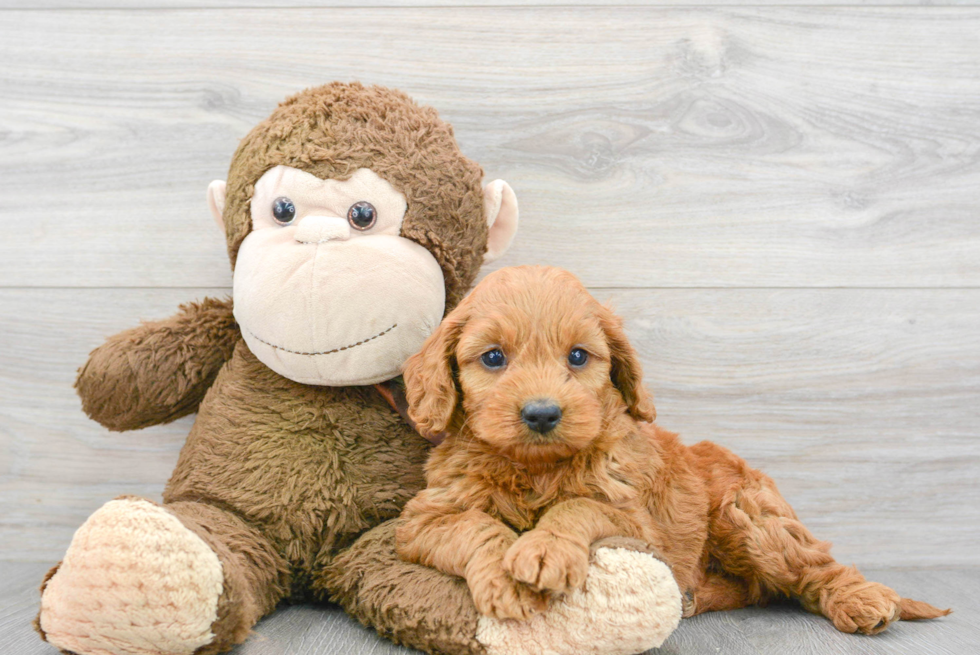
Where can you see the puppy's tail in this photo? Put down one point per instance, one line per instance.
(915, 609)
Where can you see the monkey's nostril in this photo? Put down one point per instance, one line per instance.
(541, 415)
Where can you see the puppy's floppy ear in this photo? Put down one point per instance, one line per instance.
(430, 383)
(627, 374)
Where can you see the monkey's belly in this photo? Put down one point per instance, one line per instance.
(310, 467)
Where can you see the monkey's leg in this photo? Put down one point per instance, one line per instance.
(147, 579)
(630, 603)
(755, 535)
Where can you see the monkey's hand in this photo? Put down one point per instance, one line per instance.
(159, 371)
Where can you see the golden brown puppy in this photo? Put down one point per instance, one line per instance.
(550, 446)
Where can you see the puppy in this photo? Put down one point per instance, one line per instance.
(550, 446)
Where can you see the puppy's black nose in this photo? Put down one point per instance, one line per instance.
(541, 415)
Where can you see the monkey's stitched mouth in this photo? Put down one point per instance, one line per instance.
(325, 352)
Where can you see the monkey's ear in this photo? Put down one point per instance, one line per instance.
(500, 207)
(216, 202)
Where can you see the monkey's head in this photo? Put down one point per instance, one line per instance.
(353, 224)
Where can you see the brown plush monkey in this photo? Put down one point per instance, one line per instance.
(353, 224)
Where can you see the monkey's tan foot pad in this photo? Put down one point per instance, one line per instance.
(134, 581)
(630, 604)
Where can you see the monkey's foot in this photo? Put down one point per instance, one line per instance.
(630, 604)
(134, 581)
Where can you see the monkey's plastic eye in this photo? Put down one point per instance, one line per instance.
(493, 358)
(283, 210)
(578, 357)
(362, 215)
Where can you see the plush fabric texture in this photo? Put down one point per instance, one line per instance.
(278, 477)
(413, 605)
(313, 197)
(255, 575)
(630, 604)
(499, 202)
(332, 130)
(159, 371)
(320, 302)
(134, 581)
(309, 467)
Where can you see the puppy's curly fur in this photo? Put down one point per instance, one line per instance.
(514, 510)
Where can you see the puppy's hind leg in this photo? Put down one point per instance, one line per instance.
(718, 591)
(755, 535)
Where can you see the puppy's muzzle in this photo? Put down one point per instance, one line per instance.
(541, 415)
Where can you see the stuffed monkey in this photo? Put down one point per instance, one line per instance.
(353, 225)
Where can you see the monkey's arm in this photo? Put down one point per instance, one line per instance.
(159, 371)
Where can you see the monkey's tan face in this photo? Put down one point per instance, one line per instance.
(326, 291)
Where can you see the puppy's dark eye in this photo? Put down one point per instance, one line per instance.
(283, 210)
(362, 215)
(493, 358)
(578, 357)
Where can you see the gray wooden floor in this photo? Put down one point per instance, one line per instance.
(776, 630)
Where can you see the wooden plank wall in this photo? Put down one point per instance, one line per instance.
(784, 203)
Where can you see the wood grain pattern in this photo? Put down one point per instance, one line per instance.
(776, 630)
(796, 147)
(861, 404)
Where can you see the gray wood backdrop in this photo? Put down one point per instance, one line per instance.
(783, 201)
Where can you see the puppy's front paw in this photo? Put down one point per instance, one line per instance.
(547, 562)
(868, 608)
(497, 594)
